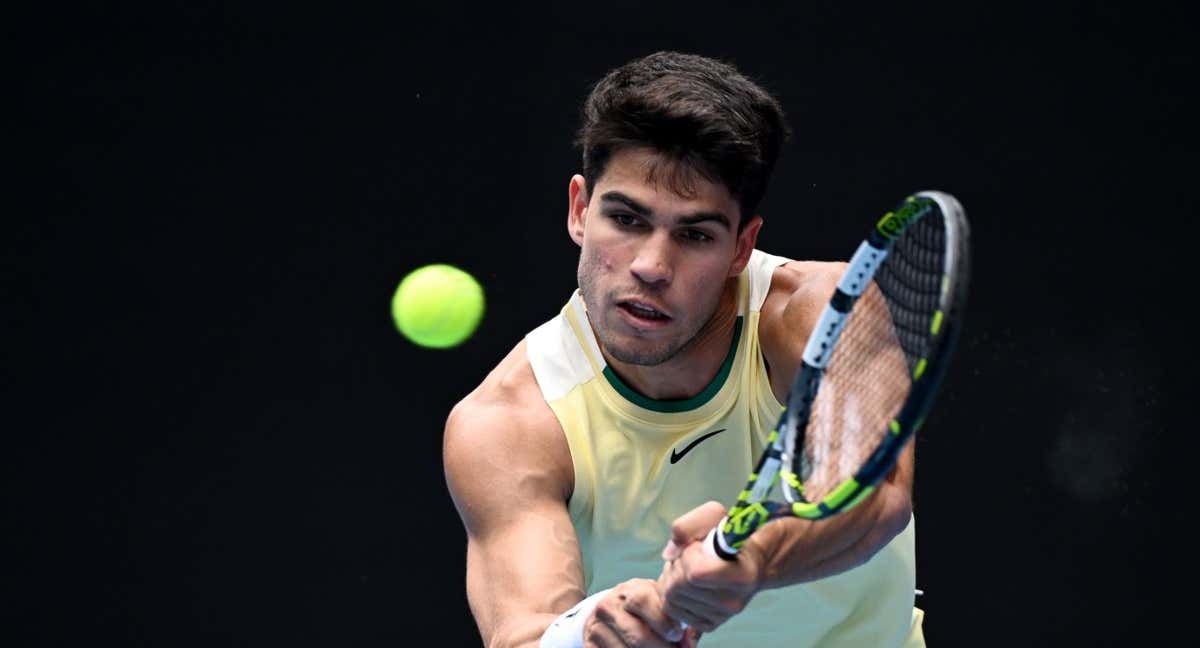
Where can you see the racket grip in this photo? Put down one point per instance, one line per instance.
(712, 545)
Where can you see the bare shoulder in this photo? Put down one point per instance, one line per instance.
(502, 444)
(799, 291)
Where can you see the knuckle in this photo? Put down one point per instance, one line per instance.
(670, 610)
(631, 636)
(605, 610)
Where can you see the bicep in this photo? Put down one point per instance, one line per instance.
(523, 559)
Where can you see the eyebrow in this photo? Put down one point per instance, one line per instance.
(644, 211)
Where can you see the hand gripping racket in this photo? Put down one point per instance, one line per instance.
(870, 370)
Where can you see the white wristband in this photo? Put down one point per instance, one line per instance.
(567, 629)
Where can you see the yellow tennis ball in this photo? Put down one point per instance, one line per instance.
(438, 306)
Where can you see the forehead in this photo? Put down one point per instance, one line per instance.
(664, 184)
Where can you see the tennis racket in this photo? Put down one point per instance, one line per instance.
(871, 369)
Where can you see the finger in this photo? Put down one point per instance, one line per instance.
(691, 638)
(616, 612)
(699, 568)
(628, 630)
(695, 524)
(647, 605)
(696, 612)
(695, 619)
(671, 551)
(695, 567)
(705, 603)
(600, 635)
(712, 605)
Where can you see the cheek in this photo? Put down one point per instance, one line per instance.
(589, 258)
(607, 261)
(707, 284)
(703, 289)
(601, 258)
(593, 266)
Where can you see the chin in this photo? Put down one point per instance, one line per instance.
(642, 352)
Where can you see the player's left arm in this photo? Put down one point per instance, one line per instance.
(705, 590)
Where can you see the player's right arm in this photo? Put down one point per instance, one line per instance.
(510, 474)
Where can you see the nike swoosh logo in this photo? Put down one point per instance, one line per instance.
(676, 455)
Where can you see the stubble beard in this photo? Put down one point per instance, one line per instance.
(647, 356)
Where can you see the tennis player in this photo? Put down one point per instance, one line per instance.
(590, 464)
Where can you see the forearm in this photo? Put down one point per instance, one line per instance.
(514, 598)
(505, 622)
(792, 550)
(524, 631)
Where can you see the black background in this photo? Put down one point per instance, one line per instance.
(216, 437)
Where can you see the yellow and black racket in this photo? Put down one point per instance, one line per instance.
(870, 371)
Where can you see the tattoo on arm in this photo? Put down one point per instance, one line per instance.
(570, 576)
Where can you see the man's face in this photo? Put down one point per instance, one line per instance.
(653, 263)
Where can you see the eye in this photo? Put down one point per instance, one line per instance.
(698, 236)
(626, 220)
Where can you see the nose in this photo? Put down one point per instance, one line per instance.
(653, 263)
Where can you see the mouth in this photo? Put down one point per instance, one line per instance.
(643, 314)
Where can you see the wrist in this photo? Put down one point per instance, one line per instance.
(567, 630)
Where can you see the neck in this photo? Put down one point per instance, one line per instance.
(695, 366)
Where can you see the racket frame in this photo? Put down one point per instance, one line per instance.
(752, 508)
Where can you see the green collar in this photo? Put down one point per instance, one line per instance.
(673, 406)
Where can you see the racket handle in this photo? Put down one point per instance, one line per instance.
(712, 545)
(718, 545)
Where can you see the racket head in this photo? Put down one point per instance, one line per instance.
(879, 373)
(871, 369)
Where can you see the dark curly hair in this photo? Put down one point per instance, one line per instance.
(702, 115)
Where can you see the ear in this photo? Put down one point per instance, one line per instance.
(577, 208)
(744, 245)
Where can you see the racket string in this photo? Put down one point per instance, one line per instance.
(869, 373)
(911, 282)
(864, 385)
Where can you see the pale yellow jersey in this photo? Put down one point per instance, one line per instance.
(640, 463)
